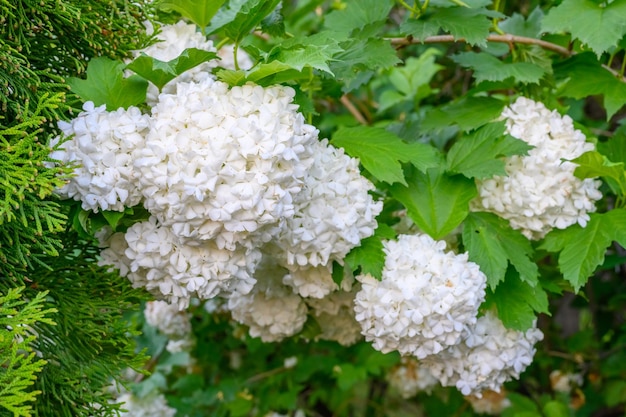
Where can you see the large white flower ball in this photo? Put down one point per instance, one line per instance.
(333, 212)
(100, 143)
(222, 163)
(427, 298)
(540, 191)
(489, 356)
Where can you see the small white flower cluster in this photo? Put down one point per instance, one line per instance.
(102, 142)
(490, 402)
(489, 356)
(540, 191)
(271, 310)
(426, 306)
(335, 316)
(152, 405)
(172, 322)
(426, 301)
(564, 381)
(409, 378)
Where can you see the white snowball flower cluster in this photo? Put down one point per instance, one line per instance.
(221, 164)
(103, 143)
(426, 300)
(335, 316)
(271, 310)
(152, 405)
(409, 378)
(333, 212)
(540, 191)
(489, 356)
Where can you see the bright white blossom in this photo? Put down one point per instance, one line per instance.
(101, 143)
(178, 271)
(311, 281)
(152, 405)
(335, 316)
(540, 191)
(488, 356)
(271, 310)
(222, 164)
(409, 378)
(333, 212)
(426, 300)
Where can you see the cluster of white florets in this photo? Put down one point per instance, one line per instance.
(409, 378)
(335, 316)
(426, 307)
(540, 191)
(172, 322)
(152, 405)
(486, 358)
(226, 175)
(102, 143)
(426, 300)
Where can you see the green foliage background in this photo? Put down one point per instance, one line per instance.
(412, 89)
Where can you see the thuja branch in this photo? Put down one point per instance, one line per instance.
(506, 38)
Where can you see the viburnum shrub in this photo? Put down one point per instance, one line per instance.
(361, 207)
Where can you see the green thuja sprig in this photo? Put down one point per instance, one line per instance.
(19, 363)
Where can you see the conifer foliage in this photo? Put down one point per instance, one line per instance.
(312, 208)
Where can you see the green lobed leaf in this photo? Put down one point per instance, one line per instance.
(494, 245)
(316, 51)
(586, 77)
(199, 12)
(593, 164)
(274, 23)
(480, 154)
(239, 17)
(105, 84)
(471, 24)
(615, 147)
(486, 67)
(435, 201)
(381, 152)
(160, 72)
(599, 25)
(467, 112)
(362, 18)
(520, 26)
(361, 59)
(581, 249)
(369, 255)
(518, 302)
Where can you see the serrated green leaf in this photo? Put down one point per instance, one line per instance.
(581, 249)
(518, 302)
(471, 24)
(337, 273)
(381, 152)
(599, 25)
(435, 201)
(588, 78)
(239, 17)
(105, 84)
(420, 29)
(468, 113)
(493, 245)
(361, 59)
(113, 217)
(199, 12)
(160, 72)
(486, 67)
(232, 77)
(362, 18)
(369, 255)
(593, 164)
(274, 23)
(315, 51)
(615, 147)
(479, 155)
(520, 26)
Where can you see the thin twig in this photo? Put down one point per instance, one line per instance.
(507, 38)
(353, 110)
